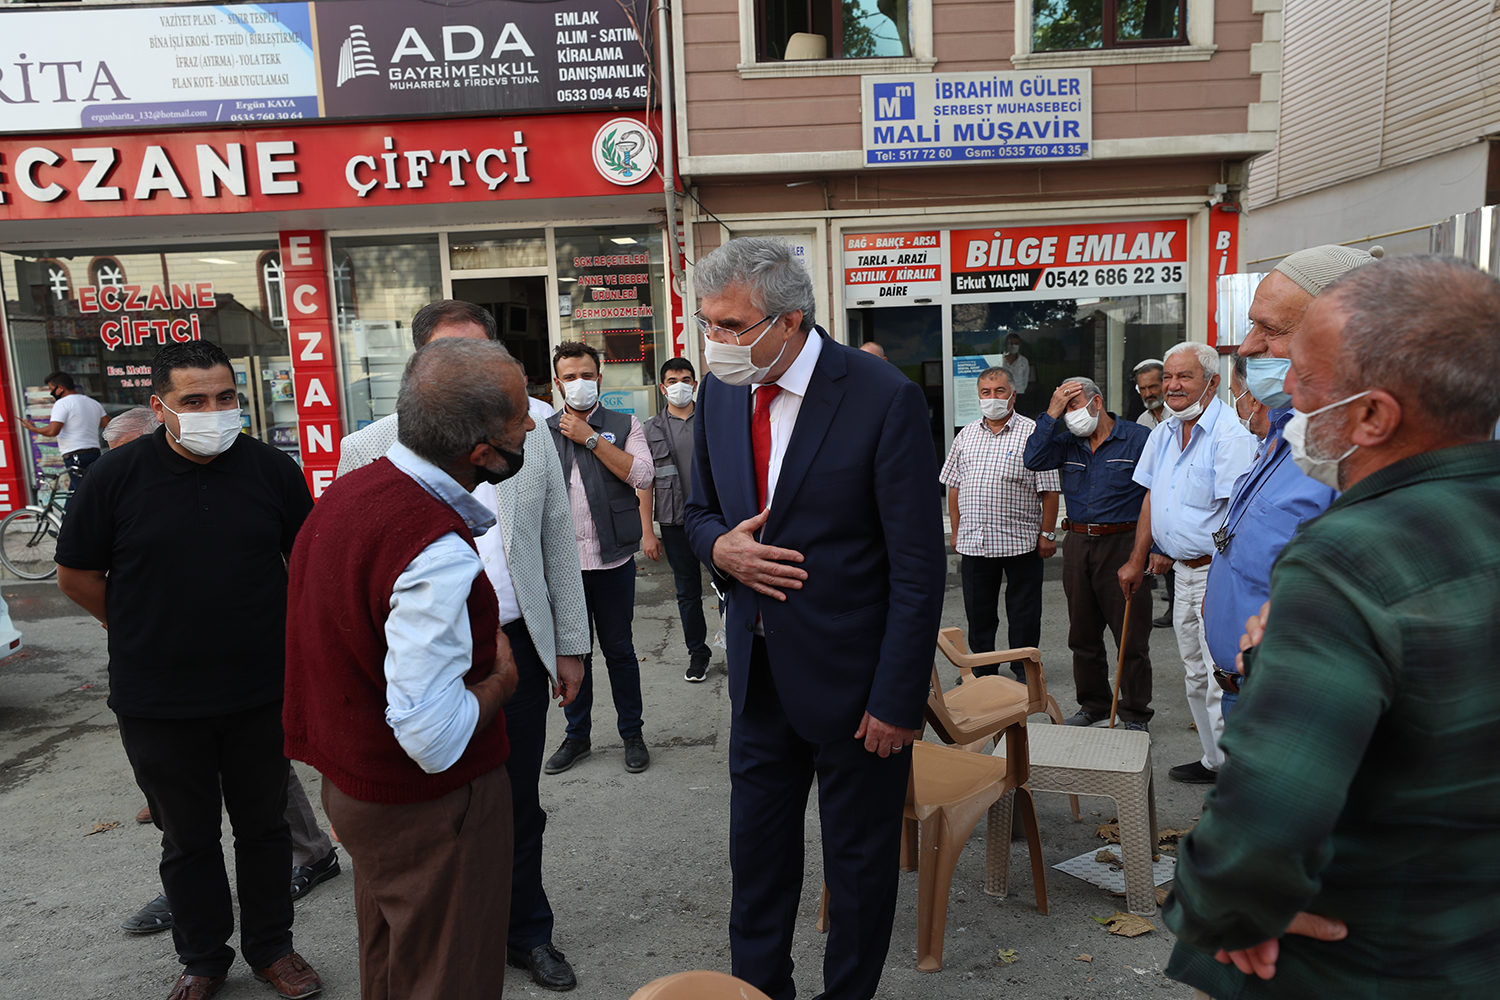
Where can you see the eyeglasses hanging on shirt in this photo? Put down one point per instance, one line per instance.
(1225, 533)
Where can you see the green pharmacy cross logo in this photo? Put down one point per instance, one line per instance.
(624, 151)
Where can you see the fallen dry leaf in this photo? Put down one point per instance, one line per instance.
(1108, 832)
(103, 828)
(1193, 726)
(1008, 956)
(1170, 836)
(1084, 958)
(1161, 896)
(1126, 924)
(1108, 857)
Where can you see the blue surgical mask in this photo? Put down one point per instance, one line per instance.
(1266, 380)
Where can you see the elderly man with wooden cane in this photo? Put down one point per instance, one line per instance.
(1095, 454)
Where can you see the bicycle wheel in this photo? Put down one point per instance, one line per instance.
(28, 544)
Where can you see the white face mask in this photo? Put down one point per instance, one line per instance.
(679, 394)
(731, 363)
(581, 394)
(1324, 470)
(994, 409)
(1192, 412)
(1081, 422)
(206, 434)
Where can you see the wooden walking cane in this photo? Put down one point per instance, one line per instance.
(1120, 667)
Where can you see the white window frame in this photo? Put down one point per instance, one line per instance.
(919, 15)
(1200, 46)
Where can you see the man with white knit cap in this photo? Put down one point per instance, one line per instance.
(1275, 497)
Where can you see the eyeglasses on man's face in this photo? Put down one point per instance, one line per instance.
(714, 330)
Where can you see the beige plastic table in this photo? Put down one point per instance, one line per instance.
(1077, 760)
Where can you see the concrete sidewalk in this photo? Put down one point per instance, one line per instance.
(636, 865)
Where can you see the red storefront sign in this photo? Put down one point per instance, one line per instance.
(1223, 258)
(310, 329)
(13, 491)
(1070, 261)
(304, 167)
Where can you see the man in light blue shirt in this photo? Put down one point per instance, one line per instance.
(1274, 498)
(1189, 467)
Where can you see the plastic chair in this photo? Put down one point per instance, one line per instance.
(1033, 693)
(950, 789)
(805, 45)
(698, 984)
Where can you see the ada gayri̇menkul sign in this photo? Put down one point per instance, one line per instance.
(387, 58)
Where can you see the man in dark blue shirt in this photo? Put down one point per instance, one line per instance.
(1096, 454)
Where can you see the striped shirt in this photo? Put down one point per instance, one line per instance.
(999, 510)
(642, 474)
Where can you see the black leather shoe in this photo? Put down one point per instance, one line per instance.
(153, 917)
(304, 877)
(1193, 774)
(570, 753)
(637, 757)
(1165, 621)
(549, 967)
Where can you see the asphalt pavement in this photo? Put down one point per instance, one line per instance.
(636, 866)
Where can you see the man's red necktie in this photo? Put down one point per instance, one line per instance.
(760, 438)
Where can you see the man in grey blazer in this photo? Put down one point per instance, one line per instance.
(532, 562)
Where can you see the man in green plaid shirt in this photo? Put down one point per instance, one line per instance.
(1351, 848)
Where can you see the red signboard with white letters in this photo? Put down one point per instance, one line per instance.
(305, 167)
(310, 329)
(1092, 260)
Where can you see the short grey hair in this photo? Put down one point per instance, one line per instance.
(994, 373)
(775, 278)
(126, 426)
(1207, 357)
(453, 396)
(1090, 387)
(1242, 368)
(1425, 328)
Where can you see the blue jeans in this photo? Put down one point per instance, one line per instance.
(687, 575)
(610, 596)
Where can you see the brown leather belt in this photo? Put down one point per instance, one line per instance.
(1098, 529)
(1197, 563)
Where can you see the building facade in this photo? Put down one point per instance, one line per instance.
(293, 181)
(955, 173)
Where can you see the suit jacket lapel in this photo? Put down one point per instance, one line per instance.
(814, 417)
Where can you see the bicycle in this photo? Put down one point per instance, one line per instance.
(28, 536)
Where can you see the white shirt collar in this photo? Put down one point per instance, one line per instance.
(796, 378)
(444, 487)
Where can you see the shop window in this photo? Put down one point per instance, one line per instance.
(59, 281)
(395, 276)
(106, 332)
(831, 29)
(106, 272)
(481, 251)
(613, 295)
(272, 289)
(1059, 25)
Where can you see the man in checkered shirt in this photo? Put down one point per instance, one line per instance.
(1003, 516)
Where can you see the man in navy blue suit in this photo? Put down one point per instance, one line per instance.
(815, 502)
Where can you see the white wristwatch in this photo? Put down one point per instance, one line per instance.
(592, 442)
(1051, 536)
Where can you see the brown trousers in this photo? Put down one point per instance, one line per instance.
(1096, 603)
(431, 890)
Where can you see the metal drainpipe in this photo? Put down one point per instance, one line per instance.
(668, 144)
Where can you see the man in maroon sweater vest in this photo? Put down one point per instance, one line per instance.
(396, 672)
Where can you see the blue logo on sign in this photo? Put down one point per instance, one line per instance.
(895, 101)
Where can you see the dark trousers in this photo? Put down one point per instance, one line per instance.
(860, 801)
(687, 575)
(526, 727)
(77, 463)
(1022, 576)
(610, 596)
(1095, 603)
(431, 889)
(181, 765)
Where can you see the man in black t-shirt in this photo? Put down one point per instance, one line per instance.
(177, 544)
